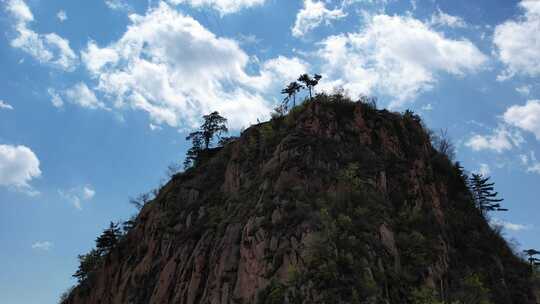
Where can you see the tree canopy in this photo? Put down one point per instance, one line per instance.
(291, 90)
(213, 125)
(484, 194)
(309, 82)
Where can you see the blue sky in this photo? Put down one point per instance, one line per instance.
(97, 97)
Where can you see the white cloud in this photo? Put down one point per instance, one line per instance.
(441, 18)
(46, 48)
(18, 166)
(518, 42)
(118, 5)
(524, 90)
(43, 245)
(281, 70)
(509, 225)
(77, 195)
(56, 99)
(61, 15)
(484, 169)
(526, 117)
(223, 6)
(80, 94)
(154, 127)
(170, 66)
(4, 105)
(395, 55)
(530, 162)
(312, 15)
(500, 140)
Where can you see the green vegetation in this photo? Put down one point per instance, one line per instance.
(391, 220)
(291, 90)
(484, 195)
(309, 82)
(91, 261)
(531, 257)
(213, 125)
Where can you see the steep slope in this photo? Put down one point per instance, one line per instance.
(335, 203)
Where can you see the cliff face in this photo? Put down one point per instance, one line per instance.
(335, 203)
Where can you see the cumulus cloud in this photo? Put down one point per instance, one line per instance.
(170, 66)
(81, 95)
(61, 15)
(4, 105)
(312, 15)
(526, 117)
(395, 55)
(45, 48)
(223, 6)
(509, 225)
(18, 166)
(440, 18)
(500, 140)
(42, 245)
(518, 42)
(77, 195)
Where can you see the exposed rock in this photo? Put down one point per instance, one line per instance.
(272, 215)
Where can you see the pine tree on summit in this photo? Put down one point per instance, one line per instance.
(309, 82)
(484, 195)
(291, 90)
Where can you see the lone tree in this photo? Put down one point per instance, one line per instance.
(309, 82)
(531, 257)
(214, 124)
(484, 195)
(291, 90)
(108, 239)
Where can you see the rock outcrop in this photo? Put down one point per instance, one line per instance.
(337, 202)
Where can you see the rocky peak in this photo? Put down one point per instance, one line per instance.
(335, 202)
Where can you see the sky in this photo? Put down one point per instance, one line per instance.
(96, 98)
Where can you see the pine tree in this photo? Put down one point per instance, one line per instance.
(214, 124)
(531, 257)
(484, 195)
(108, 239)
(291, 90)
(196, 147)
(87, 263)
(309, 82)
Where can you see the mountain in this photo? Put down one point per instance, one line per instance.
(335, 202)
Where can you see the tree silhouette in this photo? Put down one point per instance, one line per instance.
(214, 124)
(309, 82)
(531, 257)
(87, 264)
(483, 194)
(291, 90)
(196, 147)
(108, 239)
